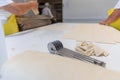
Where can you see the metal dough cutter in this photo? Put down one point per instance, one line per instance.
(56, 47)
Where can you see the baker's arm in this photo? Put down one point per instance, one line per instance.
(21, 8)
(114, 16)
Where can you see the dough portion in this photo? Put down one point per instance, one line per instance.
(42, 66)
(90, 49)
(93, 32)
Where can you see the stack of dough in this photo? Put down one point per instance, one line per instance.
(90, 49)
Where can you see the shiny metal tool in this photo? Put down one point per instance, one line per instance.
(56, 47)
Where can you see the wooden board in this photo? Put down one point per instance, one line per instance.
(93, 32)
(41, 66)
(30, 22)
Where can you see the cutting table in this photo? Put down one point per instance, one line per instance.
(38, 38)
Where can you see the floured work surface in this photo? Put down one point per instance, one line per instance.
(41, 66)
(93, 32)
(58, 26)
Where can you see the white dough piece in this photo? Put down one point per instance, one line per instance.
(90, 49)
(41, 66)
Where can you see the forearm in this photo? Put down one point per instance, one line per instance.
(20, 8)
(13, 9)
(114, 16)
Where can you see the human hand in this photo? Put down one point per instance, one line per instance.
(103, 23)
(34, 7)
(34, 4)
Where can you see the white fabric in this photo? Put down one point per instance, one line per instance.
(3, 17)
(47, 11)
(4, 14)
(3, 52)
(5, 2)
(117, 5)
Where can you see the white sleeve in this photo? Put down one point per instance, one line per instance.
(117, 5)
(5, 2)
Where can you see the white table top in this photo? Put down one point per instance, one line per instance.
(37, 40)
